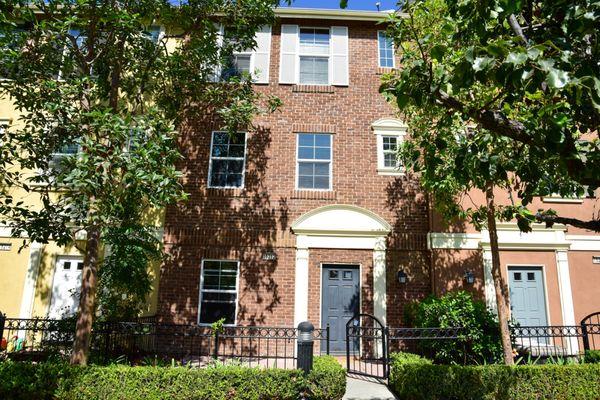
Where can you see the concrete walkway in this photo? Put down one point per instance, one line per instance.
(362, 388)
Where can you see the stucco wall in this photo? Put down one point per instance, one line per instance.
(585, 283)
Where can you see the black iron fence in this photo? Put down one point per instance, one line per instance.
(146, 341)
(370, 344)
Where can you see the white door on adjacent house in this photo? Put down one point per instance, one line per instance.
(64, 299)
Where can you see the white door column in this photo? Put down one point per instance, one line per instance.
(566, 295)
(489, 288)
(379, 281)
(301, 285)
(33, 265)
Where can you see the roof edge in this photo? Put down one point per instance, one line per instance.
(339, 14)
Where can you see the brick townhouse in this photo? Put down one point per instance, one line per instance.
(307, 216)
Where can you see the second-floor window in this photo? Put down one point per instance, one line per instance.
(314, 56)
(390, 150)
(386, 50)
(314, 161)
(227, 160)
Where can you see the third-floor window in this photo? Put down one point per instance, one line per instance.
(386, 50)
(314, 56)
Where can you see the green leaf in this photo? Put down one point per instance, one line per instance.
(437, 52)
(516, 58)
(482, 63)
(557, 79)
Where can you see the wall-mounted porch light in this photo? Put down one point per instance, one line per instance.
(402, 277)
(469, 277)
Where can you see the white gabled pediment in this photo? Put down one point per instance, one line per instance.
(385, 125)
(342, 220)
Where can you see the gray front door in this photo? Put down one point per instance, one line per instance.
(340, 302)
(527, 298)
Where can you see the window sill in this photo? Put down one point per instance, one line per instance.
(384, 70)
(561, 200)
(313, 194)
(391, 172)
(312, 89)
(225, 192)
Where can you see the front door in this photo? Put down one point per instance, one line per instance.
(527, 298)
(65, 287)
(340, 302)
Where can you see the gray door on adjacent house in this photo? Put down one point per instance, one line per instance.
(527, 297)
(340, 302)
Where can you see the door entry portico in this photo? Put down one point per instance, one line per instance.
(340, 302)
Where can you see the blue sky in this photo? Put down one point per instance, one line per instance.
(352, 4)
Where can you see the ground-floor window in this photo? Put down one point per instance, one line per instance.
(218, 291)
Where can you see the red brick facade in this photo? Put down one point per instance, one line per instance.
(241, 224)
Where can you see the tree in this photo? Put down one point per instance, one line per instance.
(500, 94)
(100, 95)
(524, 70)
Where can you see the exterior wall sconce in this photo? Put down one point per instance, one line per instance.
(469, 277)
(402, 277)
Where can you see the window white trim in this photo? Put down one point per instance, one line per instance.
(300, 54)
(379, 52)
(388, 127)
(236, 291)
(210, 157)
(563, 200)
(298, 161)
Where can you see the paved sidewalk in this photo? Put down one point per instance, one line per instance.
(359, 388)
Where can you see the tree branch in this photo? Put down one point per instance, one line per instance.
(493, 121)
(516, 27)
(592, 225)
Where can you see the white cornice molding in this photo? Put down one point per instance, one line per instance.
(441, 240)
(338, 14)
(584, 242)
(509, 238)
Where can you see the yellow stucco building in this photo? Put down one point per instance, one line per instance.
(38, 279)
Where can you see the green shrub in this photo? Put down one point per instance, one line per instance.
(63, 382)
(419, 381)
(592, 356)
(327, 380)
(479, 342)
(407, 358)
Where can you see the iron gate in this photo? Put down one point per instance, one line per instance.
(366, 347)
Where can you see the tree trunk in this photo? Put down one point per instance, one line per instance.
(502, 299)
(87, 300)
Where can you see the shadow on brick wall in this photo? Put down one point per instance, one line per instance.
(233, 224)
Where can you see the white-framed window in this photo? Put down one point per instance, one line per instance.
(218, 291)
(389, 136)
(253, 62)
(390, 151)
(314, 56)
(56, 163)
(80, 41)
(154, 33)
(240, 63)
(314, 161)
(385, 46)
(227, 160)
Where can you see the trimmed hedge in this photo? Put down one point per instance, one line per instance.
(63, 382)
(327, 380)
(420, 380)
